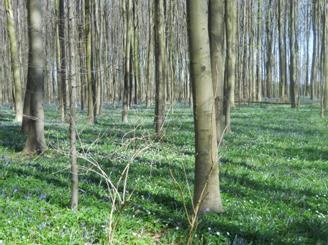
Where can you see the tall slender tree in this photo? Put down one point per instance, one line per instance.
(17, 93)
(231, 28)
(159, 66)
(62, 60)
(325, 59)
(292, 45)
(72, 96)
(269, 49)
(314, 34)
(282, 74)
(259, 52)
(89, 58)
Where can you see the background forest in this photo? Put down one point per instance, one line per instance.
(163, 122)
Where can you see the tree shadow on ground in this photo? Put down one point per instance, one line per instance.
(233, 184)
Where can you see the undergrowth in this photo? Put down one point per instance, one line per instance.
(273, 173)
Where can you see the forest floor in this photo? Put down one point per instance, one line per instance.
(274, 180)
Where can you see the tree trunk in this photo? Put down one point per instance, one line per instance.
(231, 25)
(269, 63)
(325, 59)
(33, 120)
(259, 52)
(281, 52)
(90, 77)
(128, 59)
(292, 45)
(159, 66)
(62, 58)
(72, 96)
(150, 56)
(313, 69)
(14, 62)
(217, 27)
(207, 192)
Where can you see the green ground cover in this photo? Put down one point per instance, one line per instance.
(274, 180)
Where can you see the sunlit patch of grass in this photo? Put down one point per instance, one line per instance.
(274, 175)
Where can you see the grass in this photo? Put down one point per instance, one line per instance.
(274, 180)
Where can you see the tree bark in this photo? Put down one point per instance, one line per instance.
(207, 192)
(259, 53)
(313, 68)
(325, 60)
(281, 52)
(33, 120)
(14, 62)
(150, 55)
(90, 77)
(292, 40)
(62, 58)
(269, 63)
(72, 96)
(159, 67)
(217, 38)
(231, 25)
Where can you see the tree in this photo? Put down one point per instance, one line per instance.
(128, 59)
(33, 120)
(150, 55)
(159, 66)
(259, 52)
(217, 28)
(89, 57)
(282, 58)
(14, 62)
(269, 62)
(207, 192)
(62, 60)
(292, 44)
(325, 65)
(72, 96)
(314, 33)
(231, 24)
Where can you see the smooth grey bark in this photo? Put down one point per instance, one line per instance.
(231, 26)
(207, 196)
(217, 39)
(11, 30)
(33, 120)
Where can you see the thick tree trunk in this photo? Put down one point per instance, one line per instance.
(33, 121)
(207, 192)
